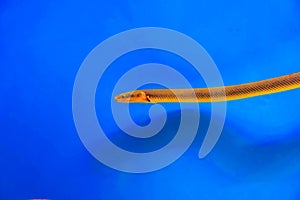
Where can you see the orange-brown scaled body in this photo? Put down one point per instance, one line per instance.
(215, 94)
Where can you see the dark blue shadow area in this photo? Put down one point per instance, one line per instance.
(42, 45)
(238, 167)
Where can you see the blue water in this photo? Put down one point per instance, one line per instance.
(42, 45)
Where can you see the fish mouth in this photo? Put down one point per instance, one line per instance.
(121, 98)
(136, 96)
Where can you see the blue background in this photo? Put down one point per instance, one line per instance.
(42, 45)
